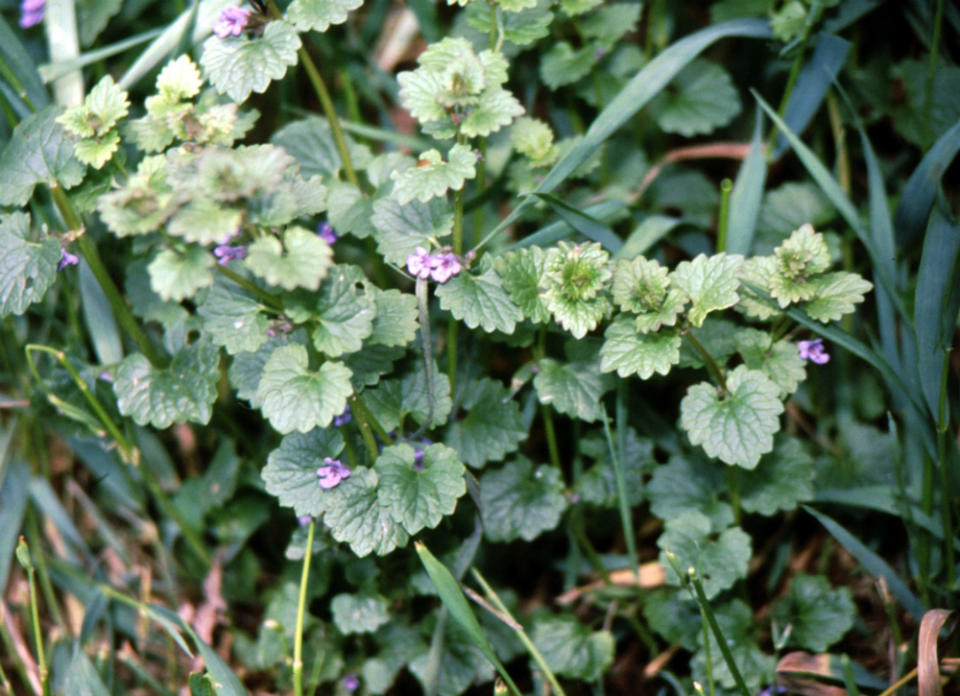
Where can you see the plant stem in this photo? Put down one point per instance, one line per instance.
(453, 326)
(943, 425)
(268, 299)
(733, 482)
(715, 372)
(711, 685)
(931, 75)
(717, 633)
(359, 409)
(301, 609)
(791, 83)
(626, 518)
(313, 74)
(89, 250)
(23, 556)
(546, 413)
(726, 187)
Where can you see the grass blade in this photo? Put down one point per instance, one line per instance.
(584, 223)
(18, 69)
(99, 318)
(875, 565)
(643, 87)
(13, 503)
(558, 230)
(747, 194)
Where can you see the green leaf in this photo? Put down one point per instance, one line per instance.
(492, 427)
(495, 109)
(521, 273)
(641, 286)
(709, 283)
(533, 138)
(678, 621)
(39, 151)
(629, 352)
(343, 313)
(184, 391)
(83, 678)
(572, 8)
(719, 561)
(396, 321)
(562, 65)
(310, 140)
(234, 317)
(701, 98)
(817, 615)
(757, 271)
(689, 484)
(479, 301)
(737, 426)
(520, 502)
(247, 368)
(611, 23)
(369, 364)
(781, 362)
(574, 388)
(178, 276)
(520, 26)
(239, 65)
(395, 399)
(418, 497)
(571, 650)
(836, 294)
(295, 398)
(576, 277)
(737, 626)
(27, 268)
(359, 613)
(598, 484)
(793, 205)
(302, 261)
(356, 516)
(783, 479)
(400, 229)
(433, 177)
(318, 15)
(204, 221)
(291, 470)
(909, 117)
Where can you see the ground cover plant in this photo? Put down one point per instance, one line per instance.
(538, 347)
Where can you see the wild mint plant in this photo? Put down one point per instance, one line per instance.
(330, 367)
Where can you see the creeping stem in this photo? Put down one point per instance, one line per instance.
(301, 609)
(715, 372)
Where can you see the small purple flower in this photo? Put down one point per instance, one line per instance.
(304, 520)
(326, 232)
(231, 22)
(67, 259)
(343, 418)
(813, 351)
(332, 473)
(420, 263)
(31, 12)
(350, 682)
(444, 267)
(226, 253)
(418, 459)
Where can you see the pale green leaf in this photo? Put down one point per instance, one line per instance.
(574, 388)
(479, 301)
(609, 24)
(178, 275)
(27, 267)
(204, 221)
(836, 294)
(356, 516)
(701, 98)
(419, 496)
(290, 473)
(570, 649)
(492, 427)
(433, 176)
(295, 398)
(247, 368)
(709, 283)
(563, 65)
(396, 321)
(400, 229)
(720, 560)
(359, 613)
(302, 261)
(736, 426)
(521, 274)
(628, 351)
(520, 502)
(318, 15)
(641, 286)
(183, 391)
(239, 65)
(781, 362)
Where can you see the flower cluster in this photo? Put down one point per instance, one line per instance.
(326, 232)
(813, 351)
(231, 22)
(67, 259)
(441, 266)
(31, 12)
(331, 473)
(226, 253)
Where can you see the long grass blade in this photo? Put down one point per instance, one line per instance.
(13, 504)
(587, 225)
(18, 69)
(747, 194)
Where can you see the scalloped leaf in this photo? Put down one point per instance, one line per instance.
(519, 502)
(357, 517)
(738, 426)
(294, 398)
(27, 268)
(738, 628)
(479, 301)
(359, 613)
(233, 317)
(701, 98)
(343, 314)
(247, 368)
(783, 480)
(178, 276)
(396, 320)
(521, 273)
(184, 391)
(290, 473)
(418, 497)
(400, 229)
(574, 389)
(492, 427)
(630, 352)
(818, 615)
(563, 65)
(690, 483)
(720, 561)
(781, 362)
(836, 294)
(709, 283)
(310, 140)
(433, 177)
(237, 66)
(522, 26)
(571, 650)
(39, 151)
(302, 261)
(318, 15)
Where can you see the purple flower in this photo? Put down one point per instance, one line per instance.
(304, 520)
(332, 473)
(350, 682)
(31, 12)
(420, 263)
(444, 267)
(226, 253)
(231, 22)
(326, 232)
(418, 459)
(813, 351)
(343, 418)
(67, 259)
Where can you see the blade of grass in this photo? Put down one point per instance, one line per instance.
(747, 194)
(18, 69)
(560, 229)
(874, 565)
(623, 499)
(63, 43)
(643, 87)
(13, 503)
(98, 316)
(51, 71)
(451, 594)
(584, 223)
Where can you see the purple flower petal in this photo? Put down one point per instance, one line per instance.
(231, 22)
(226, 253)
(67, 259)
(326, 232)
(343, 418)
(445, 266)
(813, 351)
(31, 12)
(420, 263)
(350, 682)
(332, 473)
